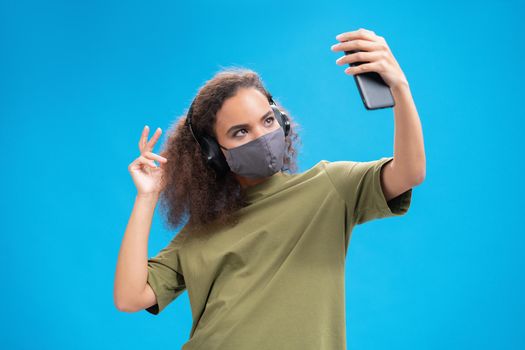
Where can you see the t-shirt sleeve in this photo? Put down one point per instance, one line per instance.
(165, 275)
(359, 184)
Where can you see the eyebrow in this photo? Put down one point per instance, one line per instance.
(240, 126)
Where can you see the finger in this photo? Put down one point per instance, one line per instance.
(361, 33)
(151, 155)
(359, 45)
(148, 162)
(143, 138)
(365, 67)
(362, 56)
(154, 138)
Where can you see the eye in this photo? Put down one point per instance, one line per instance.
(269, 121)
(235, 133)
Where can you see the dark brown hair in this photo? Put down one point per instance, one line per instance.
(192, 191)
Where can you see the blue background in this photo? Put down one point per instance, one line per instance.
(79, 80)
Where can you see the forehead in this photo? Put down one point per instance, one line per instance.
(247, 105)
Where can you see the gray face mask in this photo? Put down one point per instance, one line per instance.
(258, 158)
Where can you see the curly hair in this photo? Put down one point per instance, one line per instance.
(192, 190)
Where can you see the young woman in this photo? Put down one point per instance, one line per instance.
(262, 249)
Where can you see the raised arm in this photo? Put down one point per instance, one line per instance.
(408, 167)
(131, 291)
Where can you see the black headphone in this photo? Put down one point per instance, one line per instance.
(210, 147)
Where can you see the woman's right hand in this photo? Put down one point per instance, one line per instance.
(146, 175)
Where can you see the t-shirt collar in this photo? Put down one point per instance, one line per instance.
(260, 189)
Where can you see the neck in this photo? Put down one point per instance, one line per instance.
(247, 182)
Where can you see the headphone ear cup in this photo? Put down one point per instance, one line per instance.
(286, 123)
(282, 118)
(214, 156)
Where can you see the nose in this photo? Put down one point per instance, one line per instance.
(258, 132)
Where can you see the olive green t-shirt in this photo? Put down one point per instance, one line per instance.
(276, 280)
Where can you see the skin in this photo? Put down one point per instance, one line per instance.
(246, 107)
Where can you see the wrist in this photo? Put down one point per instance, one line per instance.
(151, 196)
(400, 87)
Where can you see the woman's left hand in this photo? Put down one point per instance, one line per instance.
(375, 53)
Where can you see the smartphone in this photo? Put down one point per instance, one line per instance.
(374, 92)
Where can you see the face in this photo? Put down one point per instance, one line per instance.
(243, 118)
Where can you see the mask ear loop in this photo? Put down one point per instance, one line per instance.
(284, 123)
